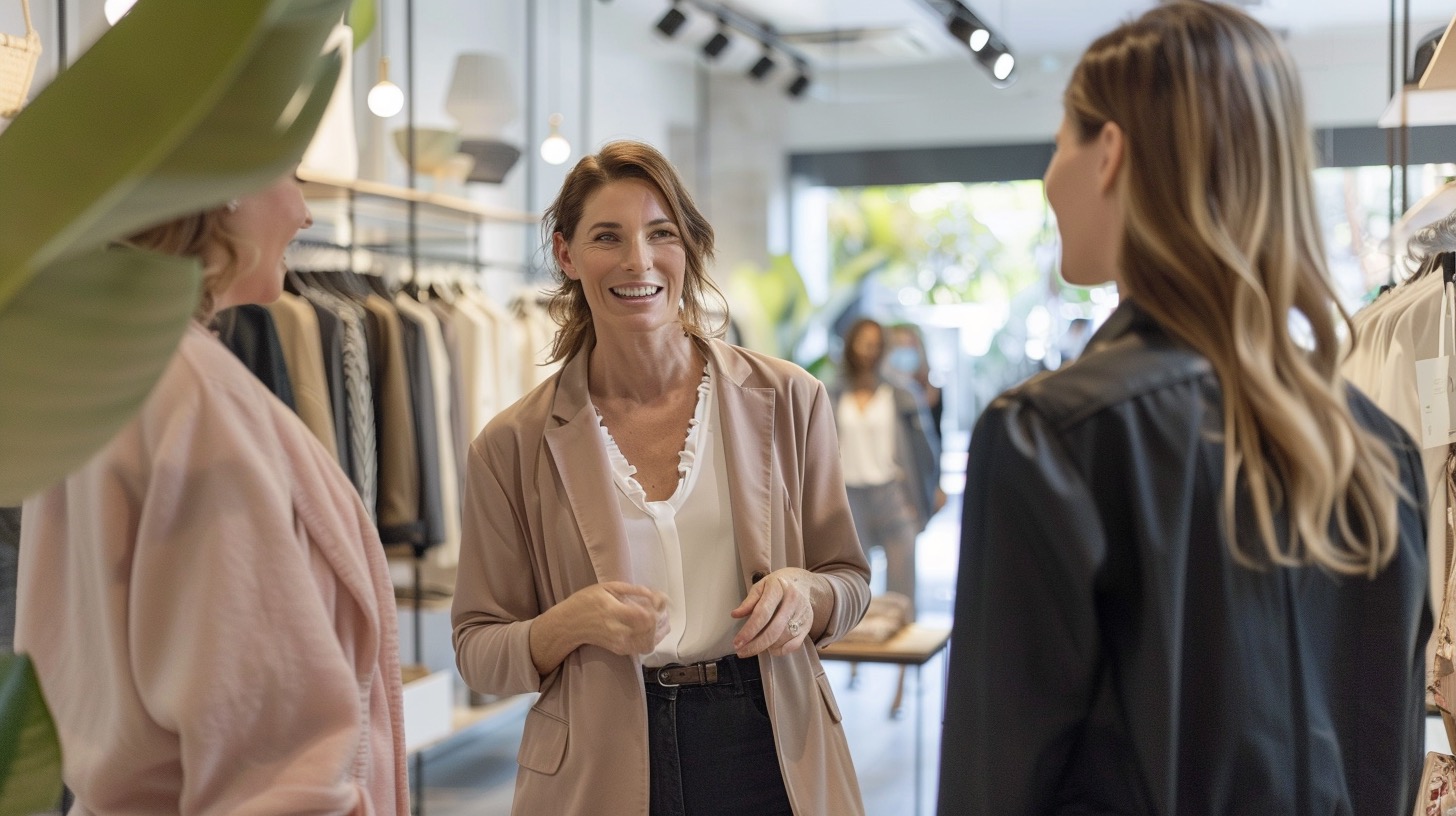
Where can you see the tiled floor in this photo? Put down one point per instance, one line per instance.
(474, 773)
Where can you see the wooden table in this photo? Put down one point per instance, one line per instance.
(912, 646)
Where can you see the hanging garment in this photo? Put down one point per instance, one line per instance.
(358, 394)
(1391, 334)
(437, 573)
(249, 332)
(298, 333)
(422, 404)
(399, 464)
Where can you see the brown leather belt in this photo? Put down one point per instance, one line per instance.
(707, 673)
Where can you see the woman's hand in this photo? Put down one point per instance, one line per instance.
(782, 610)
(624, 619)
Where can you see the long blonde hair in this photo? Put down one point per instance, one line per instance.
(207, 237)
(614, 162)
(1222, 245)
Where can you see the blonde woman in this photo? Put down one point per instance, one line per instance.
(1193, 575)
(206, 600)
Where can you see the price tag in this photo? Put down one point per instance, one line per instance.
(1436, 382)
(1436, 386)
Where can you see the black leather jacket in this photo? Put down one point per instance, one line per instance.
(1110, 656)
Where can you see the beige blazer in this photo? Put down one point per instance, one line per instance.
(540, 522)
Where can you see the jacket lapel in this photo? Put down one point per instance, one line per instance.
(581, 461)
(747, 416)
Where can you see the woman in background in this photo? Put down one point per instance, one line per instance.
(891, 460)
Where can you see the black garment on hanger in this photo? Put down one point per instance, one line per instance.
(427, 440)
(250, 333)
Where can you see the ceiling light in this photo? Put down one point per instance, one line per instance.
(116, 9)
(554, 148)
(761, 68)
(671, 21)
(714, 46)
(800, 84)
(385, 98)
(999, 62)
(1003, 65)
(978, 39)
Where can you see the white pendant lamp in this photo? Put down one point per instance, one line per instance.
(554, 148)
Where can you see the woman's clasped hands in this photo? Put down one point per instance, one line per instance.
(780, 611)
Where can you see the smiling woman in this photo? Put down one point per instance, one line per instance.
(678, 506)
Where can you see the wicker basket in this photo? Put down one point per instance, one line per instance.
(18, 56)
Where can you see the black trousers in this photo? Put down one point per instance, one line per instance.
(712, 748)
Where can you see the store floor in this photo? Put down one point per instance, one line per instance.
(473, 774)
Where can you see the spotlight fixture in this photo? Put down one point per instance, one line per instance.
(1000, 63)
(671, 21)
(762, 68)
(715, 45)
(800, 84)
(968, 30)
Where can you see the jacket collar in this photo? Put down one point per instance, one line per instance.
(1127, 318)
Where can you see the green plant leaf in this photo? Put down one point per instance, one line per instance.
(235, 79)
(30, 755)
(85, 342)
(363, 14)
(220, 99)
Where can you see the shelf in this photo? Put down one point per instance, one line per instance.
(318, 187)
(465, 718)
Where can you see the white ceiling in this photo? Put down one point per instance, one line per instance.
(907, 31)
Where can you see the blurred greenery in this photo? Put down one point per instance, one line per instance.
(363, 16)
(30, 756)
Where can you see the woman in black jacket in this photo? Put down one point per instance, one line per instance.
(1193, 574)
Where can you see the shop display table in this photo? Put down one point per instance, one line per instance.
(912, 646)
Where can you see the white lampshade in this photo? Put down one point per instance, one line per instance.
(481, 98)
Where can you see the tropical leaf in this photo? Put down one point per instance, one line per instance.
(220, 99)
(363, 15)
(30, 755)
(236, 78)
(85, 342)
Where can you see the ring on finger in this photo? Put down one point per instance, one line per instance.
(794, 628)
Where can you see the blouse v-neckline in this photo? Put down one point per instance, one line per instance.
(624, 472)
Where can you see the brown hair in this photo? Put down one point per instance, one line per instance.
(206, 237)
(1222, 245)
(614, 162)
(852, 370)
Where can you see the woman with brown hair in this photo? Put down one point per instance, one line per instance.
(1193, 575)
(657, 537)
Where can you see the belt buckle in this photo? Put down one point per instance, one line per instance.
(659, 675)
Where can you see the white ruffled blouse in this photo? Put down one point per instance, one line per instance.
(693, 526)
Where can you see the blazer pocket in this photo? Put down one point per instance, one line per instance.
(828, 695)
(544, 742)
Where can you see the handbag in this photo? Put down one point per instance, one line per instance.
(18, 56)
